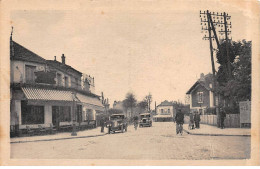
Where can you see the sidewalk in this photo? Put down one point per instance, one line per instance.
(59, 136)
(215, 131)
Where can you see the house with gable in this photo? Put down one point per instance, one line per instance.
(201, 94)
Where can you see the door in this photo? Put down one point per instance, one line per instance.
(79, 113)
(55, 116)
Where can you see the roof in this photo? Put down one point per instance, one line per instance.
(205, 82)
(166, 103)
(21, 53)
(61, 66)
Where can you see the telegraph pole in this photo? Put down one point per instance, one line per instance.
(208, 25)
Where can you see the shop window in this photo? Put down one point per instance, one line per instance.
(32, 114)
(65, 113)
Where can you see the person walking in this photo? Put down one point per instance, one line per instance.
(179, 119)
(135, 122)
(102, 124)
(197, 120)
(191, 123)
(222, 117)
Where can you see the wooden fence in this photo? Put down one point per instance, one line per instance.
(231, 120)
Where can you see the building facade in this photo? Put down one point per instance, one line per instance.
(47, 92)
(201, 94)
(165, 112)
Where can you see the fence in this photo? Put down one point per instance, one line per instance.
(231, 120)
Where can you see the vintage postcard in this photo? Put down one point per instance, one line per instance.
(142, 82)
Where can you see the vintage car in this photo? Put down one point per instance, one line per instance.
(117, 122)
(145, 120)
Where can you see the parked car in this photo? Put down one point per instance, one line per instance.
(117, 122)
(145, 120)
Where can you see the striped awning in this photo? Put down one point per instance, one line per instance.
(162, 116)
(46, 94)
(36, 94)
(91, 102)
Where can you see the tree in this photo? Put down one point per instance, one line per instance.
(129, 102)
(238, 87)
(148, 99)
(142, 106)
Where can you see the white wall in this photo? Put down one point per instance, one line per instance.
(18, 70)
(165, 109)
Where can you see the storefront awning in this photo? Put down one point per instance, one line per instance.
(90, 102)
(36, 96)
(46, 94)
(162, 116)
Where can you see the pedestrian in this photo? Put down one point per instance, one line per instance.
(102, 124)
(197, 120)
(191, 123)
(135, 122)
(179, 119)
(222, 117)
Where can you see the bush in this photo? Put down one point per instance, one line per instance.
(231, 110)
(211, 110)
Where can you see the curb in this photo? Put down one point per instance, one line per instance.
(55, 139)
(201, 134)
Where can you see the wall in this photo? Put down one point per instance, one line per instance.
(18, 70)
(165, 109)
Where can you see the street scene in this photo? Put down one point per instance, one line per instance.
(158, 142)
(148, 84)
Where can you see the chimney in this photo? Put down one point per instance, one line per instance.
(202, 77)
(63, 59)
(55, 58)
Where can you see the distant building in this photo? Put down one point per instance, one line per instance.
(165, 111)
(201, 94)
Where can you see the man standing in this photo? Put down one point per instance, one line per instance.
(179, 118)
(102, 124)
(222, 117)
(197, 120)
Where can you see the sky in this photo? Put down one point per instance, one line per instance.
(144, 48)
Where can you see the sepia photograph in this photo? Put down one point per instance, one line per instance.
(119, 82)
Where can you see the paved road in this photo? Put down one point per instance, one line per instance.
(157, 142)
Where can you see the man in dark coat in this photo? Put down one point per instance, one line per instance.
(179, 119)
(102, 124)
(197, 120)
(222, 117)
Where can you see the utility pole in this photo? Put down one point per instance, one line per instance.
(208, 25)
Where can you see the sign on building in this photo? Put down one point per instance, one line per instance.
(245, 113)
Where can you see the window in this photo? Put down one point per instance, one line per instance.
(161, 111)
(200, 97)
(169, 111)
(65, 113)
(32, 114)
(29, 73)
(59, 79)
(66, 82)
